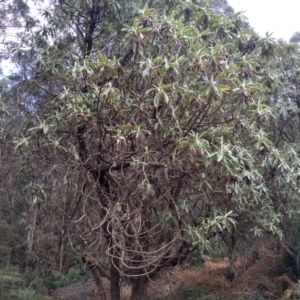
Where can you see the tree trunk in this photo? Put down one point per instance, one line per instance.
(115, 292)
(32, 214)
(97, 278)
(139, 290)
(62, 249)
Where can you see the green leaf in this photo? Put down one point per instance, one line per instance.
(220, 157)
(118, 206)
(146, 72)
(45, 129)
(156, 100)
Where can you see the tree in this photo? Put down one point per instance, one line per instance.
(222, 6)
(15, 25)
(283, 95)
(295, 37)
(155, 134)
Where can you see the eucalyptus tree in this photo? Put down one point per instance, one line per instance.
(16, 207)
(14, 175)
(16, 23)
(155, 134)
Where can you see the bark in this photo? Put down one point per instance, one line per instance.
(100, 288)
(32, 213)
(62, 250)
(114, 281)
(139, 290)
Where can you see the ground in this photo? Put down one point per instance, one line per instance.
(208, 281)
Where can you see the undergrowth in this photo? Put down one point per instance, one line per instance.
(57, 280)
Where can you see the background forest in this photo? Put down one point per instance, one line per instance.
(141, 136)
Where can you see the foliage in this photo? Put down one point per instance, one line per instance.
(25, 294)
(160, 140)
(284, 97)
(114, 120)
(222, 6)
(12, 285)
(218, 249)
(11, 277)
(57, 280)
(295, 37)
(143, 128)
(192, 292)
